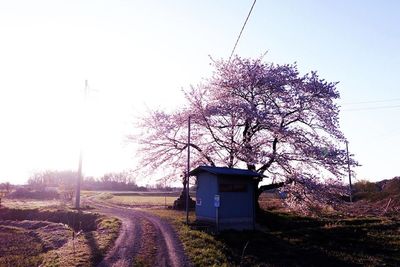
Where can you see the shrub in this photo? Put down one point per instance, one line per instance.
(34, 194)
(366, 187)
(392, 186)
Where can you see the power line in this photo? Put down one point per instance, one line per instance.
(241, 31)
(387, 134)
(371, 102)
(372, 108)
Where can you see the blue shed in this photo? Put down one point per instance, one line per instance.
(226, 196)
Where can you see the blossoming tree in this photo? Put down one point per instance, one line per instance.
(260, 116)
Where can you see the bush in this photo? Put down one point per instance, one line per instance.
(392, 186)
(365, 186)
(34, 194)
(76, 220)
(377, 191)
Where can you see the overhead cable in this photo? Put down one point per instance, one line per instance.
(241, 31)
(372, 108)
(371, 102)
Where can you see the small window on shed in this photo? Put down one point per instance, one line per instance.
(224, 187)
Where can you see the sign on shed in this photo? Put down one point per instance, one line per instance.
(216, 201)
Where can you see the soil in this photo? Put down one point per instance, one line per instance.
(144, 239)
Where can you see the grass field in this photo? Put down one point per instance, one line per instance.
(35, 234)
(281, 239)
(30, 203)
(139, 199)
(284, 239)
(143, 200)
(287, 240)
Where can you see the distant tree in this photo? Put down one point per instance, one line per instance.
(2, 195)
(66, 194)
(118, 181)
(53, 178)
(162, 186)
(38, 180)
(5, 189)
(261, 116)
(366, 186)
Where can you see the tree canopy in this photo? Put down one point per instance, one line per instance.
(262, 116)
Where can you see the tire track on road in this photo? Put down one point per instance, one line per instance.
(169, 251)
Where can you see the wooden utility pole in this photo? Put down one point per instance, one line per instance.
(78, 183)
(79, 178)
(165, 193)
(187, 173)
(349, 171)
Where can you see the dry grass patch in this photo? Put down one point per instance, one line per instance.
(30, 203)
(87, 248)
(18, 247)
(46, 237)
(143, 200)
(138, 199)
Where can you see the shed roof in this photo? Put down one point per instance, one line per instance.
(226, 171)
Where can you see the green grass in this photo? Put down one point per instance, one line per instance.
(203, 249)
(289, 240)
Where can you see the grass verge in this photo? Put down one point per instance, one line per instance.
(203, 249)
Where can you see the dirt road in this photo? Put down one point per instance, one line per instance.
(143, 238)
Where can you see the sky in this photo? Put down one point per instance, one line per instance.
(139, 55)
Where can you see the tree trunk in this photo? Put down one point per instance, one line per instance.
(258, 191)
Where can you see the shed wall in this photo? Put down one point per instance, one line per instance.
(236, 205)
(207, 188)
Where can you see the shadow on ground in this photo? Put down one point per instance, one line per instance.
(286, 240)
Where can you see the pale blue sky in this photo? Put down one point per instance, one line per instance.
(139, 54)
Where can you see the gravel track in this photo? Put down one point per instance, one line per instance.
(128, 245)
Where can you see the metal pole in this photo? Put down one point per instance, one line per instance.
(217, 218)
(349, 171)
(79, 178)
(187, 173)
